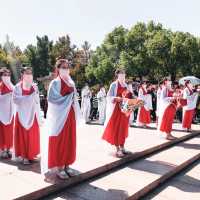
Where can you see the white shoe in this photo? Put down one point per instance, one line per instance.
(62, 175)
(120, 154)
(124, 151)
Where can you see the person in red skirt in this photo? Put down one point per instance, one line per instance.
(188, 110)
(167, 109)
(6, 113)
(144, 115)
(27, 118)
(117, 123)
(59, 142)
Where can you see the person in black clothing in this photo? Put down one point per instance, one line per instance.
(94, 107)
(151, 91)
(44, 105)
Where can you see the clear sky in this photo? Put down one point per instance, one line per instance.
(91, 20)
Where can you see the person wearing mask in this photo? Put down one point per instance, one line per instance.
(6, 113)
(101, 96)
(167, 109)
(117, 123)
(86, 96)
(27, 118)
(144, 116)
(58, 144)
(191, 96)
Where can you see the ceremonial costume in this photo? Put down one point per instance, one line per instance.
(117, 123)
(144, 116)
(6, 116)
(59, 140)
(27, 119)
(189, 109)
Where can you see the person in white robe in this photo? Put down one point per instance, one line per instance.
(6, 113)
(191, 96)
(86, 96)
(27, 118)
(101, 96)
(58, 141)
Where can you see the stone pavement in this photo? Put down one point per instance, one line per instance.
(124, 182)
(185, 186)
(92, 152)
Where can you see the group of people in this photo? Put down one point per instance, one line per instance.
(56, 144)
(93, 106)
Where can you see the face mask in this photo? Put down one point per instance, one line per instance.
(121, 77)
(103, 90)
(64, 73)
(144, 86)
(190, 86)
(169, 84)
(28, 79)
(6, 79)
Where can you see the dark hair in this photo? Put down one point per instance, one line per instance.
(3, 70)
(164, 80)
(142, 83)
(119, 71)
(187, 82)
(60, 61)
(24, 69)
(129, 82)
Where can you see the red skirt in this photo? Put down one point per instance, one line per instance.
(187, 118)
(144, 116)
(6, 136)
(168, 119)
(27, 142)
(62, 148)
(116, 130)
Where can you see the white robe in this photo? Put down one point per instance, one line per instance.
(7, 109)
(101, 96)
(191, 100)
(158, 101)
(85, 103)
(57, 114)
(27, 106)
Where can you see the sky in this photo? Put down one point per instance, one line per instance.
(91, 20)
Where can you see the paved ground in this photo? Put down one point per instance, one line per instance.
(184, 186)
(123, 183)
(92, 152)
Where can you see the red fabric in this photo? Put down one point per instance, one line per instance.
(62, 148)
(4, 89)
(168, 118)
(65, 89)
(27, 92)
(116, 130)
(187, 118)
(6, 131)
(144, 116)
(6, 135)
(27, 142)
